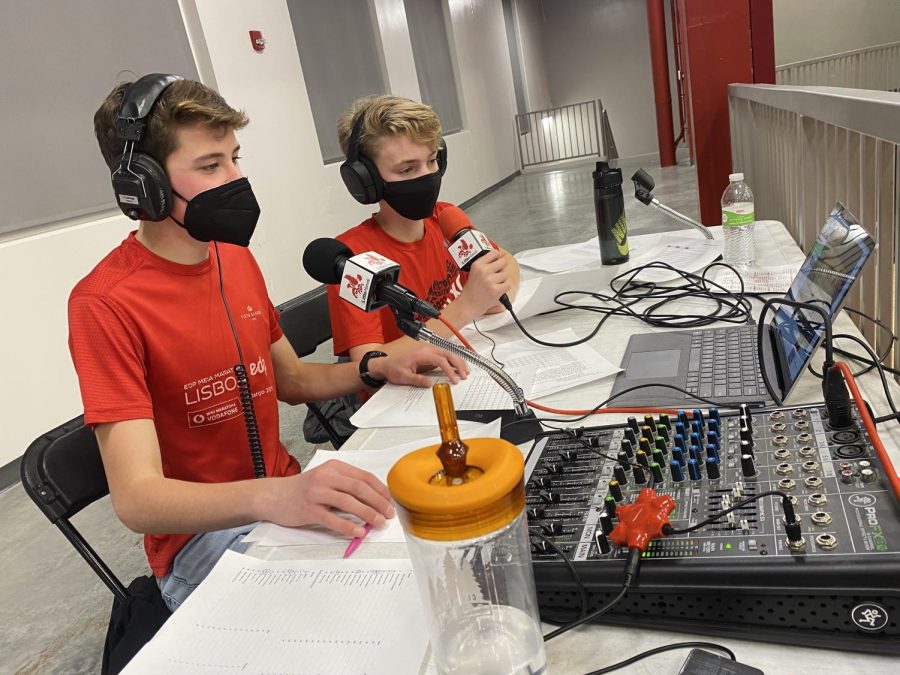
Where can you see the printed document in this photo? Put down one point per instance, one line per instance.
(315, 616)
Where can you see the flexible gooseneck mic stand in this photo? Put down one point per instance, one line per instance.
(643, 186)
(526, 425)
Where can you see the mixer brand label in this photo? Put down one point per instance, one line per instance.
(869, 616)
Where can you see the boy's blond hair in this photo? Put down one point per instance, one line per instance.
(387, 115)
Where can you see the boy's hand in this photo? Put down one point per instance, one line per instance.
(312, 497)
(405, 368)
(488, 280)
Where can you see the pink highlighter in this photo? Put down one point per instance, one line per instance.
(354, 544)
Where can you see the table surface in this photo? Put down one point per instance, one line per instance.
(594, 646)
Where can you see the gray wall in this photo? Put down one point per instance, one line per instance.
(808, 29)
(529, 20)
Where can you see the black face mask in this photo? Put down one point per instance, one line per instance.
(227, 213)
(414, 198)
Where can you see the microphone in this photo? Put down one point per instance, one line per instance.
(367, 280)
(466, 243)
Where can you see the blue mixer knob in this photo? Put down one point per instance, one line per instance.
(698, 416)
(713, 425)
(712, 468)
(712, 453)
(713, 438)
(695, 454)
(681, 428)
(677, 471)
(678, 456)
(714, 415)
(694, 469)
(679, 443)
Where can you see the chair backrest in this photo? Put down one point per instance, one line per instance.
(62, 473)
(305, 321)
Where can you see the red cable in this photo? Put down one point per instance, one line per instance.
(558, 411)
(889, 470)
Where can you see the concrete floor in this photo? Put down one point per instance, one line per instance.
(55, 610)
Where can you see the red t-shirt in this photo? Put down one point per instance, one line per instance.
(150, 339)
(425, 268)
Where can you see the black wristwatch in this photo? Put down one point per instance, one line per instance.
(367, 379)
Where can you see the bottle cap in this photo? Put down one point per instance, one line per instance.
(492, 498)
(606, 176)
(735, 177)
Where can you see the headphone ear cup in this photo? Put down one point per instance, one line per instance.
(442, 157)
(142, 188)
(362, 180)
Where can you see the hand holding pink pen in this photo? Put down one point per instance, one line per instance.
(354, 544)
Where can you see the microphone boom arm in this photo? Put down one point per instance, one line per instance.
(418, 331)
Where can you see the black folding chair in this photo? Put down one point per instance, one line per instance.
(306, 324)
(62, 473)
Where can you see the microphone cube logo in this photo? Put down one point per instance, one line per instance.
(354, 284)
(470, 244)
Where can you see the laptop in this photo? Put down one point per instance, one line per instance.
(723, 364)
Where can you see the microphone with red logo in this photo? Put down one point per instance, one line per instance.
(367, 280)
(466, 243)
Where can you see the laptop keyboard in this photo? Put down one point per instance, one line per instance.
(723, 362)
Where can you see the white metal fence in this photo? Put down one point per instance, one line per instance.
(875, 67)
(566, 132)
(804, 148)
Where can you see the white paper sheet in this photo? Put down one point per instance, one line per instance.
(378, 462)
(401, 406)
(558, 368)
(561, 258)
(689, 255)
(758, 279)
(319, 616)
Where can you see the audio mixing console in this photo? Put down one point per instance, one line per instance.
(837, 586)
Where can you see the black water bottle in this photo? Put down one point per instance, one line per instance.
(609, 206)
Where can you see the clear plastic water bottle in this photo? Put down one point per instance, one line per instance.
(737, 219)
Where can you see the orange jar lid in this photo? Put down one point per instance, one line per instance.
(492, 496)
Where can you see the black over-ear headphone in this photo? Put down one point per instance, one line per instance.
(139, 181)
(360, 174)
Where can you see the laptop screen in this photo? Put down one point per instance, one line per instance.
(836, 259)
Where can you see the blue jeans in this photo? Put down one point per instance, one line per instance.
(196, 559)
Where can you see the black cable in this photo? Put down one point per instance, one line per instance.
(664, 648)
(886, 418)
(533, 531)
(877, 365)
(668, 530)
(493, 344)
(244, 392)
(632, 562)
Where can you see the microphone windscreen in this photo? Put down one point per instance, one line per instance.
(451, 220)
(321, 257)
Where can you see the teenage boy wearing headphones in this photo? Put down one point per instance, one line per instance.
(155, 350)
(396, 158)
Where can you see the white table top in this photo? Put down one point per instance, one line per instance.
(594, 646)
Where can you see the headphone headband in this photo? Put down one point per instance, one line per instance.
(137, 103)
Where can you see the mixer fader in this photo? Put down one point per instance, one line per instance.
(831, 582)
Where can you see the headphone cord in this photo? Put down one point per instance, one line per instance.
(243, 382)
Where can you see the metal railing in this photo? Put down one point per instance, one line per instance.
(567, 132)
(804, 148)
(875, 67)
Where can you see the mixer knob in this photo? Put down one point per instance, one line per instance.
(644, 445)
(606, 523)
(648, 432)
(662, 432)
(615, 490)
(677, 471)
(698, 416)
(679, 443)
(627, 447)
(713, 438)
(553, 528)
(748, 466)
(569, 455)
(633, 424)
(639, 477)
(535, 512)
(549, 496)
(712, 453)
(648, 421)
(681, 429)
(656, 472)
(603, 545)
(682, 417)
(695, 440)
(712, 468)
(630, 435)
(678, 456)
(659, 457)
(661, 444)
(714, 415)
(696, 428)
(609, 504)
(665, 421)
(695, 454)
(642, 458)
(713, 425)
(619, 473)
(745, 414)
(622, 459)
(553, 467)
(746, 434)
(867, 475)
(541, 482)
(694, 469)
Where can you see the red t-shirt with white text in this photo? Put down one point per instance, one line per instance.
(150, 339)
